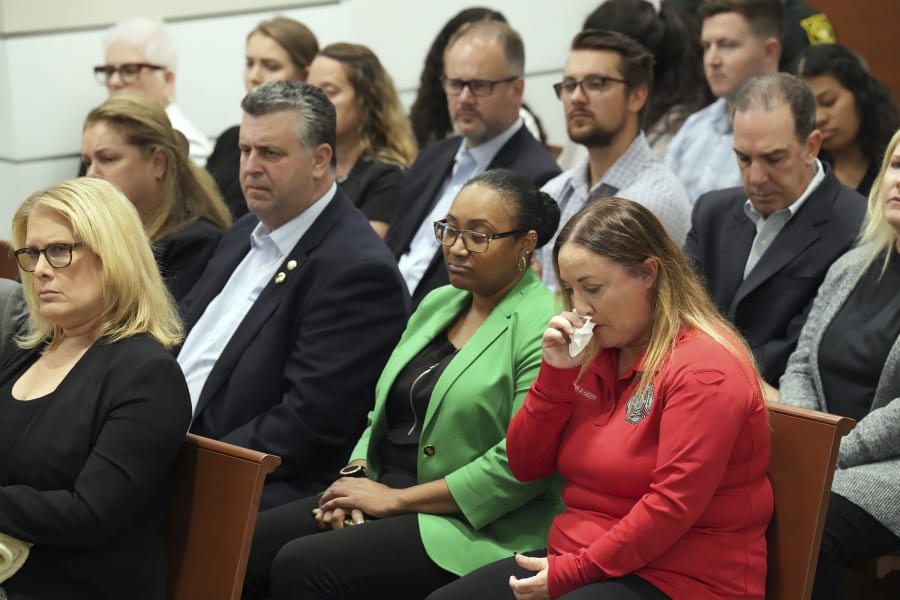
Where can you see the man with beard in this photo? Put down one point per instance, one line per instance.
(763, 249)
(605, 86)
(483, 67)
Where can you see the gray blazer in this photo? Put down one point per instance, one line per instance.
(868, 471)
(13, 311)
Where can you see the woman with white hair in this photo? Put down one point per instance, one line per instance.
(140, 57)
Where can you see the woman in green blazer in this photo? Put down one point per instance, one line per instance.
(428, 495)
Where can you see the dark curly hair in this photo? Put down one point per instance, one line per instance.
(878, 117)
(428, 115)
(674, 40)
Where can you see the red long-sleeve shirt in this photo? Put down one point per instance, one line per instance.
(673, 490)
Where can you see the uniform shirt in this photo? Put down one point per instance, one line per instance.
(670, 486)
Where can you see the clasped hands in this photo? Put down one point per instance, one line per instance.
(351, 500)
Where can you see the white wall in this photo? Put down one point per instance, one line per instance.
(47, 86)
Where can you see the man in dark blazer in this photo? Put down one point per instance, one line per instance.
(764, 249)
(483, 68)
(300, 306)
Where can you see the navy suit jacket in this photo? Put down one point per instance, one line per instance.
(298, 376)
(770, 306)
(521, 153)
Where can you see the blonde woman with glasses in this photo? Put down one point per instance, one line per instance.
(93, 406)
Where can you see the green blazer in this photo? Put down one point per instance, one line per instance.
(464, 431)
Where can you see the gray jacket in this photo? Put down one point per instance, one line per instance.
(13, 312)
(868, 472)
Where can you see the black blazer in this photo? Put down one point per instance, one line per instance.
(522, 153)
(297, 378)
(770, 306)
(224, 164)
(88, 479)
(182, 256)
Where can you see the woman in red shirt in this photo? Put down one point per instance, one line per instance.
(658, 427)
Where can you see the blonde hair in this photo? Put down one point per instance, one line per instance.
(876, 232)
(189, 193)
(627, 233)
(134, 296)
(384, 129)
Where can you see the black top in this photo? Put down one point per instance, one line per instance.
(88, 481)
(374, 187)
(405, 409)
(224, 164)
(15, 415)
(858, 340)
(868, 178)
(182, 256)
(865, 184)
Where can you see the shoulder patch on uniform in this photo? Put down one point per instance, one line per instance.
(708, 376)
(819, 29)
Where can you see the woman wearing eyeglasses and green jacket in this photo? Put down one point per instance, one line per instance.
(428, 495)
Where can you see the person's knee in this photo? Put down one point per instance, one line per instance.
(306, 568)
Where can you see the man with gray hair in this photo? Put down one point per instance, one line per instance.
(764, 248)
(484, 65)
(300, 306)
(141, 58)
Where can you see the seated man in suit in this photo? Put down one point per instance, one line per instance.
(764, 249)
(483, 67)
(741, 39)
(291, 323)
(605, 87)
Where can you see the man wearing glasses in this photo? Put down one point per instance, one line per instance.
(605, 86)
(483, 68)
(140, 58)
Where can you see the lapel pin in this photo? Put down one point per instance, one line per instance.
(291, 265)
(280, 277)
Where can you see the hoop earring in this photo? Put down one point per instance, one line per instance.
(523, 264)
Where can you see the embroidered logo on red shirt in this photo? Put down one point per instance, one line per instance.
(638, 407)
(584, 392)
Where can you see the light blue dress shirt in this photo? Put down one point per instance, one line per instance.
(702, 152)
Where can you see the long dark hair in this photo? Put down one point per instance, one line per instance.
(878, 118)
(674, 40)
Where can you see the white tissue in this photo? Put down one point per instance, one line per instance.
(581, 337)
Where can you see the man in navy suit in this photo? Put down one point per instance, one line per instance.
(294, 317)
(763, 249)
(483, 68)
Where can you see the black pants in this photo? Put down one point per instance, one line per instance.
(850, 535)
(292, 559)
(492, 582)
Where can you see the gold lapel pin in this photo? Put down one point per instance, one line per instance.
(291, 265)
(280, 277)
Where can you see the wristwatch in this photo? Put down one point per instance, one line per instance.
(354, 471)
